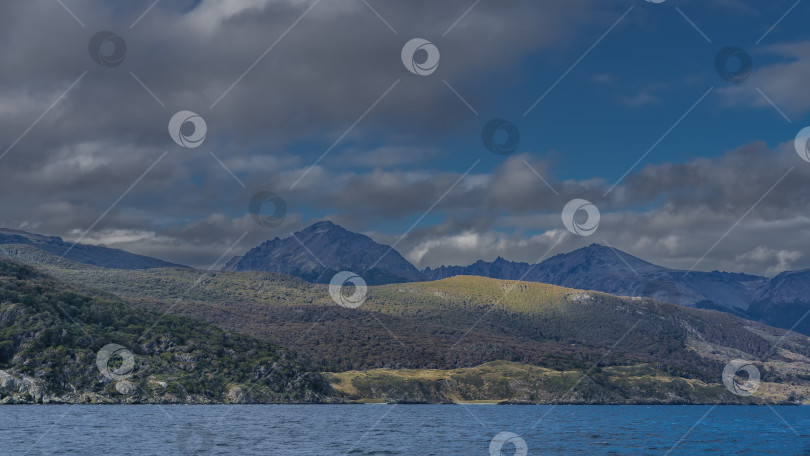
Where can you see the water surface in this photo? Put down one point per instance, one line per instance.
(401, 430)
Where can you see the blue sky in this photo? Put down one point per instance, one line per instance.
(630, 89)
(657, 56)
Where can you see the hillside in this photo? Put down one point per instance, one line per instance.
(513, 383)
(50, 334)
(80, 253)
(455, 323)
(784, 301)
(463, 323)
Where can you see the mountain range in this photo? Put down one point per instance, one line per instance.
(782, 301)
(601, 268)
(258, 336)
(319, 251)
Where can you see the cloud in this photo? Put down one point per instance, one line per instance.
(776, 260)
(640, 99)
(783, 81)
(384, 156)
(672, 214)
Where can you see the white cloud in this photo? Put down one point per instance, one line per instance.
(784, 82)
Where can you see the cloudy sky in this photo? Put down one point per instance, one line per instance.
(616, 102)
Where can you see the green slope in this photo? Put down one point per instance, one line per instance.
(50, 334)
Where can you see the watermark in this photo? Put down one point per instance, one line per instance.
(279, 209)
(193, 440)
(126, 387)
(746, 388)
(500, 137)
(733, 64)
(122, 372)
(420, 57)
(803, 144)
(499, 441)
(107, 49)
(353, 300)
(187, 129)
(573, 213)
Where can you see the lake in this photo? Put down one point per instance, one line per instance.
(403, 430)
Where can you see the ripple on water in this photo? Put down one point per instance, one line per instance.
(401, 430)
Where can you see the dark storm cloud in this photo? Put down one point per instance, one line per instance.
(320, 78)
(313, 84)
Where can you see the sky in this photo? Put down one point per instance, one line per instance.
(620, 104)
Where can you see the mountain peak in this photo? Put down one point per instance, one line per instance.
(598, 249)
(319, 227)
(602, 254)
(322, 249)
(596, 246)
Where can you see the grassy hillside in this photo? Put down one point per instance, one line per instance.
(514, 383)
(50, 334)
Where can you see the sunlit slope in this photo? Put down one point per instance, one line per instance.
(508, 382)
(527, 297)
(547, 312)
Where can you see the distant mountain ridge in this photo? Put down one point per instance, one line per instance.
(323, 249)
(780, 301)
(784, 301)
(605, 269)
(82, 253)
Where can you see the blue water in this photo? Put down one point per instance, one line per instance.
(401, 430)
